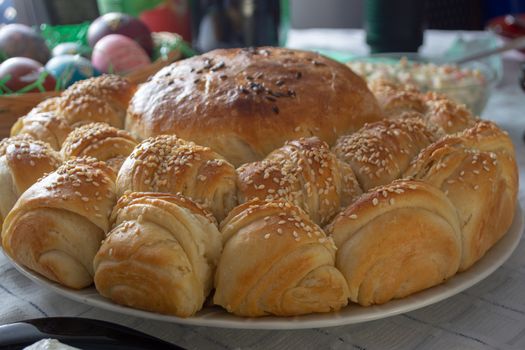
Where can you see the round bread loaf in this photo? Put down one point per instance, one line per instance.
(244, 103)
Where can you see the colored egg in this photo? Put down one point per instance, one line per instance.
(123, 24)
(18, 40)
(67, 69)
(17, 73)
(117, 53)
(70, 48)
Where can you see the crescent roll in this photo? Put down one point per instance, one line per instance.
(381, 152)
(23, 160)
(304, 172)
(57, 225)
(161, 254)
(99, 99)
(46, 126)
(396, 240)
(477, 170)
(169, 164)
(276, 261)
(100, 141)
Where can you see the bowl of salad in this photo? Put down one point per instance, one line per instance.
(469, 84)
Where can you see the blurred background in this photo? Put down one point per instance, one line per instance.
(441, 14)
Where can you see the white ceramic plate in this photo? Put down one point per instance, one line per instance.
(217, 317)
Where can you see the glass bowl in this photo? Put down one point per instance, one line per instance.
(471, 84)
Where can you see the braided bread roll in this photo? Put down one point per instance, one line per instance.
(380, 152)
(100, 141)
(23, 160)
(57, 225)
(171, 165)
(99, 99)
(396, 240)
(160, 255)
(305, 173)
(401, 101)
(477, 170)
(276, 261)
(45, 126)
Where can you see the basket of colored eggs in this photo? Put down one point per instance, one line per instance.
(37, 64)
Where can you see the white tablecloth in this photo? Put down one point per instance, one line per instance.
(490, 315)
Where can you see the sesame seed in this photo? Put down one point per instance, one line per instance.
(266, 236)
(375, 201)
(353, 216)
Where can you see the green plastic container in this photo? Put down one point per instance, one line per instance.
(131, 7)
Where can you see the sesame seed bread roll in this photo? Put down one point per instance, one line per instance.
(245, 103)
(23, 160)
(99, 99)
(381, 152)
(47, 105)
(396, 240)
(169, 164)
(276, 261)
(304, 172)
(45, 126)
(56, 226)
(477, 171)
(100, 141)
(401, 101)
(160, 255)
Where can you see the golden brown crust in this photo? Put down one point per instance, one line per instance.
(245, 103)
(161, 254)
(401, 101)
(304, 172)
(23, 160)
(169, 164)
(276, 261)
(57, 225)
(48, 105)
(100, 99)
(477, 170)
(45, 126)
(396, 240)
(100, 141)
(380, 152)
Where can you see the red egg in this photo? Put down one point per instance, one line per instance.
(19, 72)
(18, 40)
(118, 54)
(123, 24)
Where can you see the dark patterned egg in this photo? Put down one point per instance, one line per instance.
(18, 40)
(120, 23)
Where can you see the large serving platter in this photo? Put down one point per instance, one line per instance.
(217, 317)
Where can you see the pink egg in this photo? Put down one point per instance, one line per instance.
(117, 53)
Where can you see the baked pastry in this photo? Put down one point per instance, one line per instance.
(100, 141)
(245, 103)
(304, 172)
(396, 240)
(47, 105)
(23, 160)
(401, 101)
(161, 254)
(100, 99)
(276, 261)
(46, 126)
(380, 152)
(56, 226)
(477, 171)
(169, 164)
